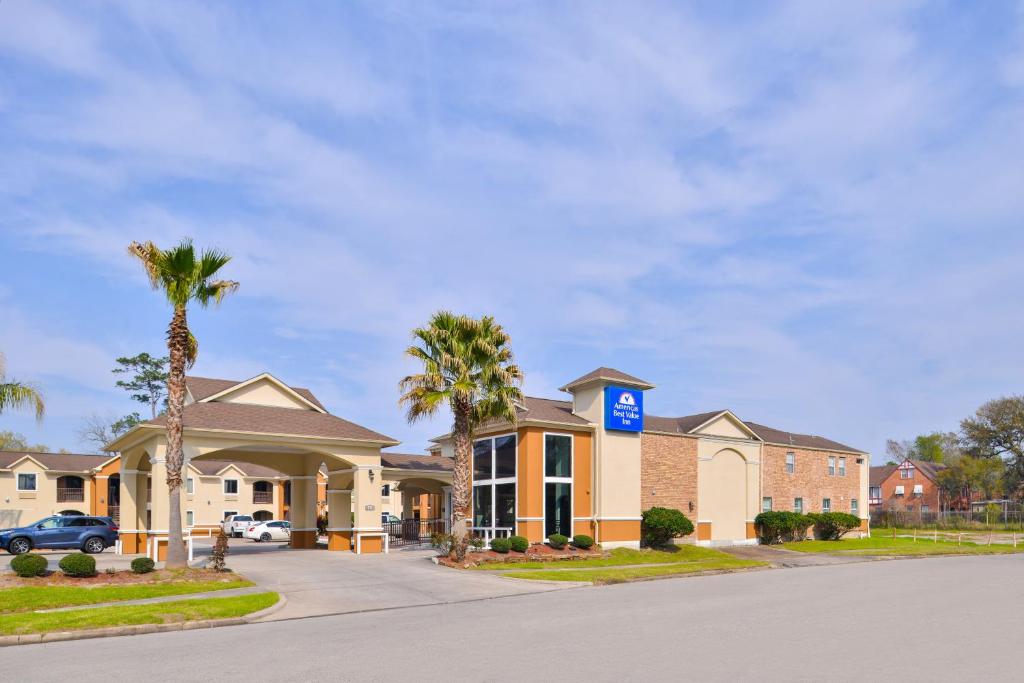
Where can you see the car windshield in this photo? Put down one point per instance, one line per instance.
(242, 518)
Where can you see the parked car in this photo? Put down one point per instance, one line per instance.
(272, 530)
(78, 532)
(388, 518)
(235, 525)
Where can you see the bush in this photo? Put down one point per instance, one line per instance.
(557, 541)
(143, 565)
(518, 543)
(29, 565)
(501, 545)
(78, 565)
(661, 525)
(582, 541)
(831, 526)
(782, 526)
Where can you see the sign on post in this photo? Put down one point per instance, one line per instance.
(623, 409)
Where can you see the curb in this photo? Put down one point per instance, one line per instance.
(141, 629)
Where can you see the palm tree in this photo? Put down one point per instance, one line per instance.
(468, 365)
(18, 395)
(184, 277)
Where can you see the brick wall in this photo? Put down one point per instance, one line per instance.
(668, 473)
(810, 480)
(909, 501)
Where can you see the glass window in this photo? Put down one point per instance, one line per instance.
(27, 482)
(482, 506)
(854, 506)
(557, 509)
(229, 513)
(385, 490)
(766, 504)
(906, 473)
(49, 523)
(925, 508)
(190, 486)
(482, 459)
(798, 505)
(505, 506)
(875, 492)
(557, 455)
(190, 518)
(826, 505)
(831, 466)
(231, 487)
(842, 467)
(505, 457)
(790, 462)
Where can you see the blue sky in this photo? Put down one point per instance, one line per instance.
(807, 212)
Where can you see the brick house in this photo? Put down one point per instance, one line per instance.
(911, 486)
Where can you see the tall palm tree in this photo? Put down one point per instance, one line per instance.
(468, 365)
(184, 277)
(15, 395)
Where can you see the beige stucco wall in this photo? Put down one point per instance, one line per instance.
(22, 507)
(728, 485)
(209, 502)
(264, 393)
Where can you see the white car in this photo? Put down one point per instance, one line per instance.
(273, 530)
(235, 525)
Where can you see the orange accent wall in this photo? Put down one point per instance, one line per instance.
(530, 475)
(339, 540)
(303, 540)
(751, 530)
(582, 475)
(619, 530)
(371, 544)
(703, 531)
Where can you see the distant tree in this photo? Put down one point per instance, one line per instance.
(15, 395)
(148, 379)
(896, 451)
(98, 432)
(997, 431)
(968, 476)
(13, 441)
(935, 447)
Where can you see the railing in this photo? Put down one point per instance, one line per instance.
(70, 495)
(414, 531)
(490, 533)
(262, 496)
(114, 512)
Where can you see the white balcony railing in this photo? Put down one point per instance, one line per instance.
(490, 533)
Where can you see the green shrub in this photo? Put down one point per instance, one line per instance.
(78, 565)
(582, 541)
(661, 525)
(831, 526)
(781, 526)
(518, 543)
(29, 565)
(143, 565)
(500, 545)
(557, 541)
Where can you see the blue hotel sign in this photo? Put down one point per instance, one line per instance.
(623, 409)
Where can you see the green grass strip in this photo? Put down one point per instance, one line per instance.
(133, 615)
(620, 557)
(612, 575)
(881, 545)
(29, 598)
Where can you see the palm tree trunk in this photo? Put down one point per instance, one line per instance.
(177, 343)
(461, 438)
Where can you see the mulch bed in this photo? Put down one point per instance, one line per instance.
(121, 578)
(538, 552)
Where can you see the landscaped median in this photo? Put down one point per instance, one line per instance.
(889, 546)
(623, 564)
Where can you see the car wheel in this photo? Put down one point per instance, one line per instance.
(94, 545)
(265, 536)
(19, 546)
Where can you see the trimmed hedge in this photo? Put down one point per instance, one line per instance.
(661, 525)
(78, 565)
(518, 543)
(557, 541)
(582, 541)
(500, 545)
(28, 565)
(831, 526)
(781, 526)
(143, 565)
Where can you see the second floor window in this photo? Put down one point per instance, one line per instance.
(831, 466)
(27, 482)
(875, 493)
(842, 467)
(231, 487)
(190, 486)
(907, 473)
(790, 462)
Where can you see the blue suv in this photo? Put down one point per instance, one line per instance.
(89, 534)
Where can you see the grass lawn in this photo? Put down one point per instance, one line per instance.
(29, 598)
(882, 545)
(130, 615)
(619, 557)
(623, 574)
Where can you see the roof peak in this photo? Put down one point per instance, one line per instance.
(610, 375)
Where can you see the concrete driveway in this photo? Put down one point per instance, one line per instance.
(318, 582)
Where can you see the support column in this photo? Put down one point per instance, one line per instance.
(339, 519)
(302, 512)
(366, 490)
(130, 519)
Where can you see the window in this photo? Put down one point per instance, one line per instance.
(875, 493)
(907, 473)
(385, 491)
(798, 505)
(190, 486)
(899, 490)
(925, 509)
(826, 505)
(854, 506)
(766, 504)
(842, 467)
(918, 489)
(230, 513)
(230, 487)
(190, 518)
(557, 485)
(27, 482)
(910, 508)
(49, 523)
(494, 483)
(831, 466)
(790, 462)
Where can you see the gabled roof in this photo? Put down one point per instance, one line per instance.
(411, 461)
(213, 468)
(610, 375)
(880, 473)
(58, 462)
(678, 425)
(204, 387)
(928, 469)
(542, 410)
(782, 438)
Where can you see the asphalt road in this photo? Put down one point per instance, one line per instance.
(913, 620)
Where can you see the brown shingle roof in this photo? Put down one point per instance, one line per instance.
(544, 410)
(677, 425)
(243, 417)
(880, 473)
(409, 461)
(202, 387)
(210, 468)
(60, 462)
(777, 436)
(609, 374)
(928, 469)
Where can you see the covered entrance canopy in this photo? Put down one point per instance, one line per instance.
(264, 422)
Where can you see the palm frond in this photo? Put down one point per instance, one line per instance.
(15, 395)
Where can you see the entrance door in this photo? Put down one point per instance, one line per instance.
(724, 496)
